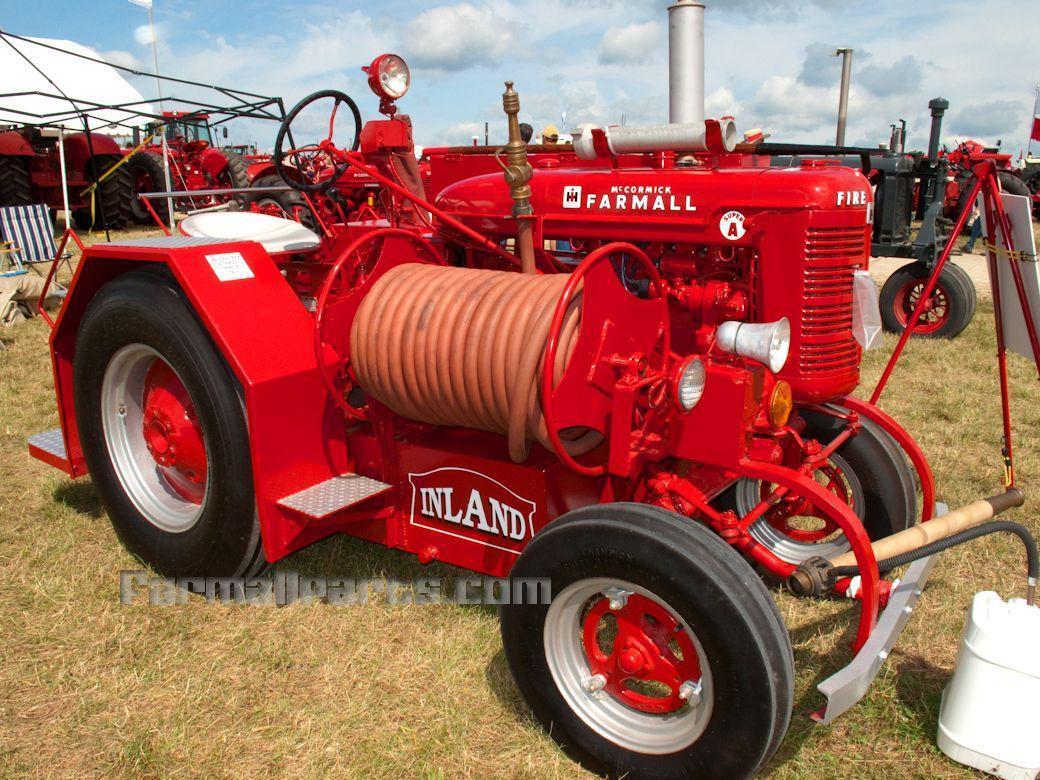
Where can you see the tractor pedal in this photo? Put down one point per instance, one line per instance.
(49, 447)
(333, 495)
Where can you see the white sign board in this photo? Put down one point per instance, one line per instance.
(1019, 212)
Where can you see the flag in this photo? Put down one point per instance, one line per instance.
(1035, 135)
(143, 3)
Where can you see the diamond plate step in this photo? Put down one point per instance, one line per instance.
(333, 495)
(49, 447)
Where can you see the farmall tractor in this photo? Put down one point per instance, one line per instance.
(30, 172)
(640, 421)
(196, 163)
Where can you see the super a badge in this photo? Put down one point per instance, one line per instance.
(732, 226)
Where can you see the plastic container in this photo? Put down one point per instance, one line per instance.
(990, 714)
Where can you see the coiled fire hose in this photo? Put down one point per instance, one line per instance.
(464, 347)
(817, 576)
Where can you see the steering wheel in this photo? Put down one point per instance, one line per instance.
(309, 162)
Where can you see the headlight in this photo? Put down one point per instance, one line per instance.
(389, 77)
(689, 383)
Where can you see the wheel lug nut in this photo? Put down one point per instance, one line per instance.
(690, 691)
(594, 684)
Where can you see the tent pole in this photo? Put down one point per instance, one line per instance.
(64, 176)
(166, 170)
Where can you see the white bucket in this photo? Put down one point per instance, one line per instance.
(990, 715)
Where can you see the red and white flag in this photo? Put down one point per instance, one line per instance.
(1035, 134)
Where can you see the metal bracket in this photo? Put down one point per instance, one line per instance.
(850, 684)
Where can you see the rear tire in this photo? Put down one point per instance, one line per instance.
(112, 196)
(15, 183)
(216, 535)
(701, 587)
(146, 171)
(954, 294)
(292, 204)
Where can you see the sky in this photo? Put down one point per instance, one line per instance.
(769, 63)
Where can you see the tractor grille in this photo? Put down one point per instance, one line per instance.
(827, 341)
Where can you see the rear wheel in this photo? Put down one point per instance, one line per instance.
(660, 654)
(1032, 181)
(163, 431)
(147, 175)
(291, 204)
(869, 473)
(15, 184)
(235, 175)
(111, 197)
(949, 309)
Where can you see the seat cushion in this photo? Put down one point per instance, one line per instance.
(275, 234)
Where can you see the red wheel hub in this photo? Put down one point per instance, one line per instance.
(172, 432)
(792, 506)
(936, 309)
(650, 656)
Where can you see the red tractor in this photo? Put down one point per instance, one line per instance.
(30, 172)
(630, 420)
(196, 163)
(962, 161)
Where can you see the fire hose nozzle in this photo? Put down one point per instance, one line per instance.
(518, 173)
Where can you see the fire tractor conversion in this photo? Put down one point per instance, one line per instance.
(638, 418)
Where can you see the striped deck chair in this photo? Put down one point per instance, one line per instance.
(26, 238)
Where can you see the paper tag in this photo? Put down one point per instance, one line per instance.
(229, 266)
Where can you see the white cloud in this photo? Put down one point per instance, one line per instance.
(987, 119)
(457, 37)
(721, 102)
(122, 58)
(632, 43)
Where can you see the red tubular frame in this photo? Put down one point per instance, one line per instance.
(69, 233)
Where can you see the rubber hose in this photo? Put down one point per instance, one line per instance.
(997, 526)
(464, 347)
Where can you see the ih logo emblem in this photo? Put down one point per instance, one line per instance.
(469, 505)
(572, 197)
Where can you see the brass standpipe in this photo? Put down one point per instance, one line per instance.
(518, 174)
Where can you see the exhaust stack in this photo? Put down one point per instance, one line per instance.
(686, 62)
(688, 130)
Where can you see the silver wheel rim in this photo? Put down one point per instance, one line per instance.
(748, 495)
(122, 420)
(629, 728)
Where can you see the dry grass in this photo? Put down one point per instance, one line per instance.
(91, 687)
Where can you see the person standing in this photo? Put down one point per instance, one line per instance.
(975, 220)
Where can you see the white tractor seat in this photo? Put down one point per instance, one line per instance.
(275, 234)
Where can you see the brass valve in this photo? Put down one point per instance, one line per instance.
(518, 170)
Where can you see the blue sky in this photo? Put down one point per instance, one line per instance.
(769, 62)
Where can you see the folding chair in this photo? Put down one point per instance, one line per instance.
(27, 238)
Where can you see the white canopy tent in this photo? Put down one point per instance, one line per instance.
(44, 75)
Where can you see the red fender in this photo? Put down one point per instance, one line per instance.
(213, 161)
(296, 437)
(13, 143)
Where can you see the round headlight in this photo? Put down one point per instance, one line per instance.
(689, 383)
(389, 77)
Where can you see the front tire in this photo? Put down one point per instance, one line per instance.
(163, 431)
(712, 686)
(950, 309)
(869, 472)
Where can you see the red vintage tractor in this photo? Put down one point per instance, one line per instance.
(962, 161)
(196, 163)
(30, 172)
(630, 419)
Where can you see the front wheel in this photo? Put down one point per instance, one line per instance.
(948, 310)
(660, 653)
(163, 431)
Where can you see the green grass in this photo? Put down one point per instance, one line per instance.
(88, 686)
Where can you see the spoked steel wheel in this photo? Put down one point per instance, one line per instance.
(794, 530)
(936, 311)
(628, 666)
(947, 311)
(154, 438)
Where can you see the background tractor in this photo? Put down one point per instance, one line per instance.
(197, 162)
(30, 172)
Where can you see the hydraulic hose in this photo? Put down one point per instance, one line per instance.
(997, 526)
(464, 347)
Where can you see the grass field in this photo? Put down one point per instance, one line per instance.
(90, 687)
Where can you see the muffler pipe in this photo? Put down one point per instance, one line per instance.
(686, 62)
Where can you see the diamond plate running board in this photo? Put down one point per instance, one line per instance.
(333, 495)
